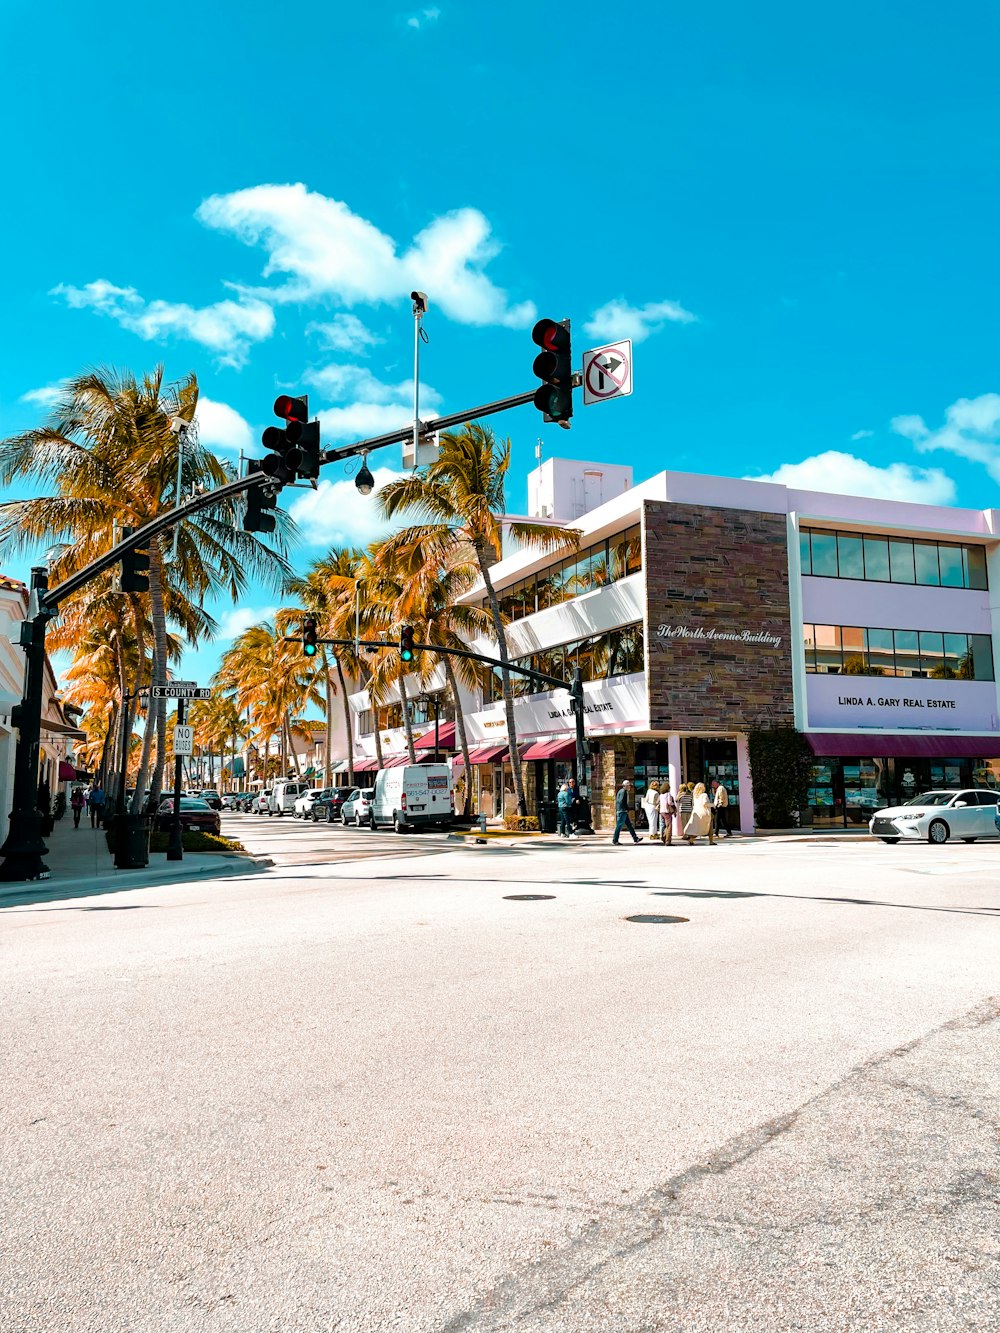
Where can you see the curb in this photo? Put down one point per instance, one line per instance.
(139, 879)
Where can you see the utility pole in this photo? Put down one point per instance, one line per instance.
(175, 849)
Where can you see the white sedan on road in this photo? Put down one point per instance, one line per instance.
(304, 803)
(937, 816)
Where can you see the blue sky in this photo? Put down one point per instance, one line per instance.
(793, 213)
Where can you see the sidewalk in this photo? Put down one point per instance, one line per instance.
(81, 865)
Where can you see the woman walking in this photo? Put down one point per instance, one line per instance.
(668, 809)
(699, 823)
(651, 805)
(77, 803)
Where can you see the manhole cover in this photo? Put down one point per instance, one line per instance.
(646, 920)
(527, 897)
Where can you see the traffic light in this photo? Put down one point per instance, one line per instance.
(309, 645)
(554, 365)
(260, 502)
(285, 460)
(135, 568)
(406, 644)
(310, 450)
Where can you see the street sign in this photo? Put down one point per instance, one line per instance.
(184, 740)
(181, 689)
(607, 372)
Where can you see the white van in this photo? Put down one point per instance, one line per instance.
(283, 796)
(413, 796)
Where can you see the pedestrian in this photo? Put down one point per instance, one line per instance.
(720, 807)
(699, 822)
(77, 803)
(95, 800)
(668, 809)
(623, 812)
(579, 811)
(685, 804)
(563, 802)
(651, 806)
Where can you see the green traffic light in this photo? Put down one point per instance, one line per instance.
(405, 655)
(309, 649)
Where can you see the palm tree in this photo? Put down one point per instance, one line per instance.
(460, 497)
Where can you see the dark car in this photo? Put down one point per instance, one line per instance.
(195, 814)
(212, 797)
(327, 808)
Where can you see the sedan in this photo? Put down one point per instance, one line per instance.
(302, 808)
(212, 797)
(328, 805)
(937, 816)
(261, 802)
(356, 808)
(195, 814)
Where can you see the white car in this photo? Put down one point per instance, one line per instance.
(936, 816)
(259, 804)
(304, 803)
(357, 807)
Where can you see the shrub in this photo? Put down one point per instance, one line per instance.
(780, 769)
(521, 823)
(195, 841)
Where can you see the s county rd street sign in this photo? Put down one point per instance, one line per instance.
(181, 689)
(607, 372)
(184, 740)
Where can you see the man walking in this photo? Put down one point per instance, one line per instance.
(623, 812)
(720, 807)
(95, 801)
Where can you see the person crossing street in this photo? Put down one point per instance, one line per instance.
(623, 812)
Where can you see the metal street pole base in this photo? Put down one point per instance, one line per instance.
(23, 867)
(24, 849)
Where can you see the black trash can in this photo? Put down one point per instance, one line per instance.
(547, 816)
(131, 842)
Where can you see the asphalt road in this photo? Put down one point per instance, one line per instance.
(365, 1094)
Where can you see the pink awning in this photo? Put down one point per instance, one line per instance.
(446, 738)
(488, 754)
(881, 745)
(397, 760)
(550, 750)
(365, 766)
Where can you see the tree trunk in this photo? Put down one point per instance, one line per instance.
(407, 722)
(460, 730)
(347, 721)
(291, 746)
(483, 550)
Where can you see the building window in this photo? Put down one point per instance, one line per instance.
(852, 555)
(619, 652)
(573, 574)
(853, 651)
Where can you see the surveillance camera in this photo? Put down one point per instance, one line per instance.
(420, 302)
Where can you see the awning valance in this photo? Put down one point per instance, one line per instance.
(879, 745)
(563, 749)
(446, 738)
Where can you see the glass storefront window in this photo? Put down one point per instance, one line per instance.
(850, 558)
(857, 651)
(975, 558)
(907, 652)
(881, 658)
(925, 555)
(901, 562)
(828, 656)
(877, 559)
(950, 560)
(932, 659)
(824, 553)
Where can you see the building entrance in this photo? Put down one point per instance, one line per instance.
(705, 760)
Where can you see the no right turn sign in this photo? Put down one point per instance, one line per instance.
(607, 372)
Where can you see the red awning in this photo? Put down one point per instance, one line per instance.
(446, 738)
(488, 754)
(550, 750)
(67, 771)
(397, 760)
(365, 766)
(880, 745)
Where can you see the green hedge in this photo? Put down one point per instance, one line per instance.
(781, 766)
(192, 841)
(521, 823)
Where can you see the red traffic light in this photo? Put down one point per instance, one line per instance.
(291, 409)
(550, 335)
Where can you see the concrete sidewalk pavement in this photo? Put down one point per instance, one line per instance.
(81, 865)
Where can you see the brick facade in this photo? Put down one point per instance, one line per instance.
(709, 572)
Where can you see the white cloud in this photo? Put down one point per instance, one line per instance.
(331, 253)
(971, 430)
(422, 17)
(337, 514)
(44, 397)
(844, 474)
(346, 333)
(617, 319)
(221, 426)
(241, 618)
(366, 405)
(862, 435)
(227, 327)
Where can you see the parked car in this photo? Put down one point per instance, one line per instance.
(283, 795)
(212, 797)
(302, 808)
(261, 802)
(246, 801)
(413, 796)
(328, 805)
(231, 800)
(936, 816)
(357, 806)
(195, 814)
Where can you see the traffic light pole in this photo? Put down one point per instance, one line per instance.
(175, 848)
(24, 848)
